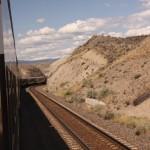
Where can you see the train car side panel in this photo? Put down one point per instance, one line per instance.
(9, 84)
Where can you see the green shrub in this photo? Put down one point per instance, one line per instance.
(92, 94)
(77, 99)
(103, 93)
(140, 130)
(68, 93)
(109, 115)
(101, 75)
(106, 81)
(127, 103)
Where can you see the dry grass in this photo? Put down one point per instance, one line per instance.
(102, 112)
(64, 83)
(68, 100)
(87, 83)
(104, 93)
(141, 125)
(109, 115)
(77, 99)
(99, 110)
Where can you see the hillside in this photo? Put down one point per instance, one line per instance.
(125, 79)
(96, 54)
(108, 78)
(110, 47)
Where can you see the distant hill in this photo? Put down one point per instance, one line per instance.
(37, 61)
(43, 65)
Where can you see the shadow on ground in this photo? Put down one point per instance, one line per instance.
(36, 132)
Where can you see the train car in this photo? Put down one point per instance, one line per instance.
(31, 75)
(9, 82)
(33, 81)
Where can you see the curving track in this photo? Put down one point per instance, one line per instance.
(86, 135)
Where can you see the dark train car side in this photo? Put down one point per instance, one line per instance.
(9, 82)
(32, 81)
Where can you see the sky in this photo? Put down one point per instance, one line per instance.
(47, 29)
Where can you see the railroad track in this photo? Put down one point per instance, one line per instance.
(86, 134)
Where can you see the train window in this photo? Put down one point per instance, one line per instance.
(82, 67)
(9, 81)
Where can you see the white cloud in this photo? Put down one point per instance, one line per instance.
(30, 40)
(81, 26)
(81, 37)
(116, 34)
(61, 53)
(43, 52)
(145, 3)
(42, 31)
(36, 36)
(43, 43)
(141, 15)
(40, 20)
(136, 20)
(138, 31)
(56, 43)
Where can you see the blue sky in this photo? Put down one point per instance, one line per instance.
(60, 12)
(53, 28)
